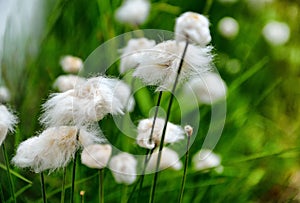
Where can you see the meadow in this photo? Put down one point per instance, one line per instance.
(249, 120)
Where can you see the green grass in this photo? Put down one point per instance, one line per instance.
(259, 146)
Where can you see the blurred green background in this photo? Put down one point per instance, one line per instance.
(260, 142)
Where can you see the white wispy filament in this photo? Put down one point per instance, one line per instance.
(53, 148)
(158, 65)
(88, 102)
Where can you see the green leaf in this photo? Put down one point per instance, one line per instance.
(16, 174)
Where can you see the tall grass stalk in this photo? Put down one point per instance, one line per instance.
(185, 167)
(10, 180)
(74, 170)
(43, 187)
(153, 188)
(63, 186)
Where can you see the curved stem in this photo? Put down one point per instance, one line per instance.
(10, 180)
(152, 194)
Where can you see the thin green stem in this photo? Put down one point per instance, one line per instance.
(153, 188)
(185, 169)
(149, 152)
(10, 180)
(43, 187)
(74, 170)
(155, 115)
(124, 194)
(147, 158)
(101, 193)
(63, 186)
(82, 197)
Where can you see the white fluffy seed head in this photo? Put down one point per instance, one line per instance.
(7, 122)
(88, 102)
(96, 155)
(206, 159)
(4, 94)
(53, 148)
(102, 96)
(67, 82)
(209, 88)
(159, 65)
(192, 27)
(123, 168)
(228, 27)
(128, 58)
(62, 109)
(134, 12)
(174, 133)
(169, 159)
(276, 33)
(71, 64)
